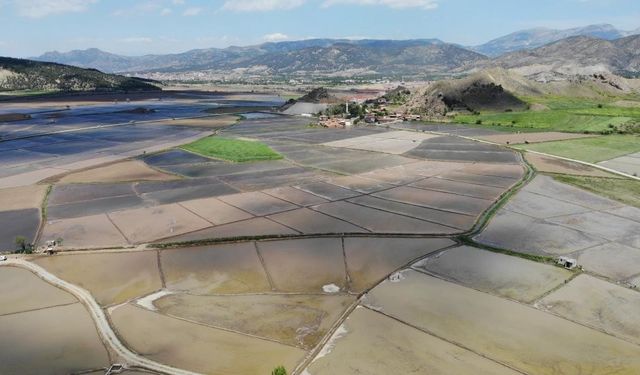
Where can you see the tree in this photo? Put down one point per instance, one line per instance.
(22, 245)
(280, 370)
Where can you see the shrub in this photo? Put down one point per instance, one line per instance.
(280, 370)
(478, 122)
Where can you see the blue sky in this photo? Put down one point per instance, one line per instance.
(135, 27)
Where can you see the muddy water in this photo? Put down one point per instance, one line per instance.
(198, 348)
(369, 344)
(598, 304)
(370, 260)
(523, 337)
(294, 320)
(57, 340)
(498, 274)
(305, 265)
(111, 278)
(22, 290)
(221, 269)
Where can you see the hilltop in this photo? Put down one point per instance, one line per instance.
(478, 92)
(19, 74)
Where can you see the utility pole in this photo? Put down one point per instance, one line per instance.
(347, 107)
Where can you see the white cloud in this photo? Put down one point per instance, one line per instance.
(194, 11)
(275, 37)
(397, 4)
(261, 5)
(166, 11)
(43, 8)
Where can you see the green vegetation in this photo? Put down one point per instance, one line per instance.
(280, 370)
(591, 150)
(234, 150)
(624, 190)
(564, 114)
(40, 77)
(23, 246)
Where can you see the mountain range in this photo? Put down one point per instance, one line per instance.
(538, 37)
(601, 46)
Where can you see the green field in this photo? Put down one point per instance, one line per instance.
(623, 190)
(234, 150)
(592, 150)
(563, 114)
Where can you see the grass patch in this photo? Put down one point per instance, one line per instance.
(623, 190)
(574, 115)
(592, 150)
(234, 150)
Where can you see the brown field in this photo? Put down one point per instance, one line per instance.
(290, 319)
(498, 274)
(111, 278)
(22, 291)
(599, 304)
(369, 344)
(370, 260)
(520, 336)
(152, 223)
(198, 348)
(57, 340)
(554, 165)
(219, 269)
(19, 198)
(87, 232)
(305, 265)
(130, 170)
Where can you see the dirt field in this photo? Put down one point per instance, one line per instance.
(22, 197)
(57, 340)
(553, 165)
(22, 291)
(518, 138)
(369, 343)
(293, 320)
(198, 348)
(130, 170)
(370, 260)
(89, 232)
(306, 265)
(498, 274)
(111, 278)
(219, 269)
(520, 336)
(599, 304)
(152, 223)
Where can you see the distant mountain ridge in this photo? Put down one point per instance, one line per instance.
(602, 47)
(217, 58)
(537, 37)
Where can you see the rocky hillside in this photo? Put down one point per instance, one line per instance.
(578, 55)
(19, 74)
(479, 92)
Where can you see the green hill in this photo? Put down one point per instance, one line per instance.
(20, 74)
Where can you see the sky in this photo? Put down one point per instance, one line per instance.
(137, 27)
